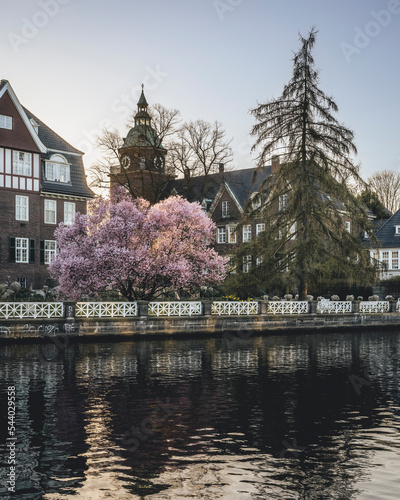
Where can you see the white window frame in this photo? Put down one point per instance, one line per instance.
(22, 163)
(283, 201)
(221, 234)
(397, 230)
(385, 258)
(69, 212)
(347, 226)
(21, 207)
(246, 233)
(247, 261)
(395, 259)
(231, 234)
(226, 209)
(22, 250)
(260, 228)
(58, 169)
(50, 207)
(6, 122)
(50, 251)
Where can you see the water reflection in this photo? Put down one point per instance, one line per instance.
(305, 417)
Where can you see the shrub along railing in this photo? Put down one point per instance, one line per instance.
(82, 310)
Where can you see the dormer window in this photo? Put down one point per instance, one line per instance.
(397, 230)
(6, 122)
(35, 125)
(226, 209)
(58, 169)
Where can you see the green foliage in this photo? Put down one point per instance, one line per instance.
(372, 201)
(306, 240)
(391, 285)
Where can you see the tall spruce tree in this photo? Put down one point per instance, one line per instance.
(306, 201)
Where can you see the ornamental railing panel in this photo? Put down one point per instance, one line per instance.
(22, 310)
(334, 307)
(106, 309)
(288, 307)
(379, 306)
(175, 308)
(230, 308)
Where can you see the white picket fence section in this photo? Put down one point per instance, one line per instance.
(22, 310)
(334, 307)
(379, 306)
(288, 307)
(175, 309)
(106, 309)
(230, 308)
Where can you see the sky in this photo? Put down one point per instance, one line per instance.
(79, 64)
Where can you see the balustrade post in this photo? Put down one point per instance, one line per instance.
(263, 307)
(142, 308)
(313, 306)
(392, 306)
(355, 306)
(206, 307)
(69, 310)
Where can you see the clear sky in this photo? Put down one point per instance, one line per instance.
(78, 64)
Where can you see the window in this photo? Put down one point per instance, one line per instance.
(385, 258)
(292, 231)
(395, 260)
(396, 229)
(49, 251)
(21, 208)
(259, 260)
(22, 163)
(69, 213)
(226, 209)
(246, 263)
(347, 226)
(50, 211)
(231, 234)
(6, 122)
(58, 169)
(21, 250)
(260, 228)
(255, 201)
(283, 201)
(246, 233)
(221, 235)
(22, 282)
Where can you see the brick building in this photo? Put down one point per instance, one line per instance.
(42, 183)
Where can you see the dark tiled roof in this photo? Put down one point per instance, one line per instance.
(239, 181)
(49, 138)
(78, 185)
(386, 233)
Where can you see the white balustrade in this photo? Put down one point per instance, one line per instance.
(398, 305)
(288, 307)
(231, 308)
(106, 309)
(22, 310)
(378, 306)
(175, 308)
(334, 306)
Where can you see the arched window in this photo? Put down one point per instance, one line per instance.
(58, 169)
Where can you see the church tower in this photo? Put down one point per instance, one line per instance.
(142, 158)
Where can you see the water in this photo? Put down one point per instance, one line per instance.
(280, 417)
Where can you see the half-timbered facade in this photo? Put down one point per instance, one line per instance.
(42, 183)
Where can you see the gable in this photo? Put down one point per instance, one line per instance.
(22, 136)
(225, 194)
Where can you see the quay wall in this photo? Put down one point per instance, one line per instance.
(205, 324)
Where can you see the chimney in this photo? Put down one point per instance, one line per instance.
(221, 171)
(274, 164)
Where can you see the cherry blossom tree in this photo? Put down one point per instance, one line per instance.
(140, 250)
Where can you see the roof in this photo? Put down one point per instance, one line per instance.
(386, 233)
(240, 183)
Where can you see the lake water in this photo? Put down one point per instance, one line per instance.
(280, 417)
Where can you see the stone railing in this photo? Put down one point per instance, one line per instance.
(378, 306)
(106, 309)
(175, 308)
(334, 307)
(230, 308)
(288, 307)
(23, 310)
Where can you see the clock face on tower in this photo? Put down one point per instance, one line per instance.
(126, 161)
